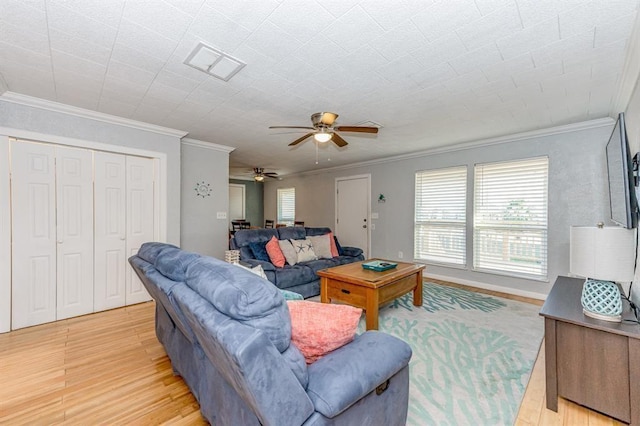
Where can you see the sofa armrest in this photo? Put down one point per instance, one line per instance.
(351, 251)
(266, 266)
(344, 376)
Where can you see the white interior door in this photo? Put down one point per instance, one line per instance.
(34, 234)
(110, 231)
(74, 231)
(140, 219)
(352, 211)
(236, 201)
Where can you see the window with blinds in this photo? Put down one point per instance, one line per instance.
(510, 217)
(440, 215)
(286, 205)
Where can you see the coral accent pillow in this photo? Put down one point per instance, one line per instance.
(275, 253)
(334, 248)
(319, 328)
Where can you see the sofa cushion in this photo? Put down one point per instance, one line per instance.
(172, 262)
(291, 233)
(259, 250)
(275, 252)
(304, 250)
(288, 251)
(316, 231)
(290, 276)
(243, 296)
(321, 246)
(319, 328)
(150, 251)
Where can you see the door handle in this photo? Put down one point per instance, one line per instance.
(364, 226)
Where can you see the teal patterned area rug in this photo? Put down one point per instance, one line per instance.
(472, 354)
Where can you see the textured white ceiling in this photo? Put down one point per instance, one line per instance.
(431, 72)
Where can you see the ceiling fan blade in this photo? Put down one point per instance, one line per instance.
(270, 174)
(328, 118)
(290, 127)
(297, 141)
(337, 139)
(360, 129)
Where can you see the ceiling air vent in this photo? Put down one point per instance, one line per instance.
(214, 62)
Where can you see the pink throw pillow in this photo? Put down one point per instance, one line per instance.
(319, 328)
(334, 249)
(275, 253)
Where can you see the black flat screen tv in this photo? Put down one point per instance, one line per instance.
(622, 195)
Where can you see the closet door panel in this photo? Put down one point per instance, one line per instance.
(74, 178)
(5, 236)
(34, 234)
(110, 231)
(140, 219)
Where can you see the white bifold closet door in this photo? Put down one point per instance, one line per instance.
(140, 225)
(52, 221)
(124, 203)
(110, 230)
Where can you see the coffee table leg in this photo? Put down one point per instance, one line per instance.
(417, 291)
(372, 309)
(324, 287)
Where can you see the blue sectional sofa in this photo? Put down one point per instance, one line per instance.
(300, 278)
(227, 332)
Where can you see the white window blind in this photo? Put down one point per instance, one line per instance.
(510, 217)
(286, 205)
(440, 215)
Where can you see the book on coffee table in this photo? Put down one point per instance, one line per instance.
(379, 265)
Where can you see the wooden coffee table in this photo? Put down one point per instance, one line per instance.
(366, 289)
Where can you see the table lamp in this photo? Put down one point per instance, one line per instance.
(602, 255)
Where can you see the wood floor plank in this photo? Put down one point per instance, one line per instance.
(109, 368)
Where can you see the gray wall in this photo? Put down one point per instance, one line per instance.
(254, 204)
(39, 120)
(202, 231)
(577, 196)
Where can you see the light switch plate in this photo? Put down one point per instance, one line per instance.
(374, 215)
(221, 215)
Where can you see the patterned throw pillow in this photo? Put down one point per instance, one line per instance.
(304, 250)
(322, 246)
(275, 253)
(319, 328)
(288, 251)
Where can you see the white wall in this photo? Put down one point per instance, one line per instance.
(202, 232)
(48, 122)
(577, 196)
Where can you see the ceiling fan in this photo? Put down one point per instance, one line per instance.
(323, 129)
(259, 174)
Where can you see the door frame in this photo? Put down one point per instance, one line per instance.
(160, 188)
(366, 176)
(244, 201)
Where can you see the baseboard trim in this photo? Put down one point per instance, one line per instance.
(486, 286)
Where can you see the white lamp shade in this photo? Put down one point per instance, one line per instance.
(606, 253)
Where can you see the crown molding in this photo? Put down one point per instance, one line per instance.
(630, 72)
(552, 131)
(207, 145)
(34, 102)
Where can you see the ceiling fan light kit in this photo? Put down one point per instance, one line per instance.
(259, 174)
(323, 129)
(322, 137)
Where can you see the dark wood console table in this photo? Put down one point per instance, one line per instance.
(588, 361)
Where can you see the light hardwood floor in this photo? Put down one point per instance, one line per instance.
(109, 368)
